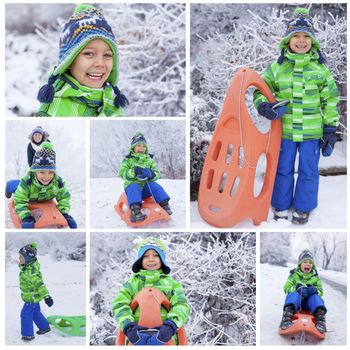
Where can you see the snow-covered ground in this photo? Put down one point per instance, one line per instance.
(330, 213)
(272, 279)
(65, 281)
(105, 192)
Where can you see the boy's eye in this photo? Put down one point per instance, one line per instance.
(108, 55)
(88, 53)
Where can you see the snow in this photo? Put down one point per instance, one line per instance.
(105, 193)
(272, 298)
(66, 289)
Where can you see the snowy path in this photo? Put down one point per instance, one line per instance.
(65, 281)
(272, 298)
(106, 191)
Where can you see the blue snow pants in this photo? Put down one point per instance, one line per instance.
(309, 304)
(136, 193)
(31, 313)
(11, 186)
(304, 196)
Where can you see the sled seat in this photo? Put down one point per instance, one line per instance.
(71, 325)
(45, 213)
(152, 209)
(150, 300)
(303, 321)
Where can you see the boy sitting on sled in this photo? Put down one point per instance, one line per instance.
(139, 172)
(151, 270)
(304, 291)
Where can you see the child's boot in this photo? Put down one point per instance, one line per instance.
(165, 205)
(43, 331)
(136, 214)
(287, 317)
(28, 337)
(300, 217)
(280, 214)
(320, 315)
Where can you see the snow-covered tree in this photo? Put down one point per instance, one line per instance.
(275, 248)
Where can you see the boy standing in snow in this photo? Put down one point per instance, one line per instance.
(151, 270)
(33, 290)
(304, 291)
(36, 137)
(40, 184)
(309, 121)
(84, 82)
(139, 172)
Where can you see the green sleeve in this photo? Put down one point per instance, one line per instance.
(179, 307)
(269, 79)
(126, 171)
(63, 200)
(21, 199)
(155, 170)
(289, 286)
(32, 282)
(319, 287)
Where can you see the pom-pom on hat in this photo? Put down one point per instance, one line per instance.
(305, 255)
(44, 158)
(29, 252)
(137, 139)
(147, 244)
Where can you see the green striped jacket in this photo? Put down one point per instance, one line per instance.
(30, 190)
(311, 90)
(33, 289)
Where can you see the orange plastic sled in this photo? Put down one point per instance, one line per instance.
(153, 211)
(226, 191)
(150, 300)
(303, 321)
(46, 215)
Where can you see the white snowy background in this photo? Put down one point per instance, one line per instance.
(68, 140)
(110, 142)
(151, 41)
(226, 37)
(217, 271)
(278, 255)
(62, 263)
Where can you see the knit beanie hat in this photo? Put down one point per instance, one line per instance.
(44, 158)
(137, 139)
(301, 22)
(37, 130)
(305, 255)
(147, 244)
(86, 24)
(28, 252)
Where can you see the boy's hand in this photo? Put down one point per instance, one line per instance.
(70, 221)
(166, 331)
(328, 140)
(28, 222)
(149, 173)
(311, 290)
(48, 301)
(139, 175)
(131, 330)
(267, 110)
(302, 290)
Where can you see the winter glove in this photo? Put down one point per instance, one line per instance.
(166, 331)
(48, 301)
(28, 222)
(131, 330)
(71, 222)
(139, 174)
(328, 140)
(149, 173)
(311, 290)
(302, 290)
(267, 110)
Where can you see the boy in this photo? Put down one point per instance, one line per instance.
(151, 270)
(309, 121)
(40, 184)
(139, 172)
(83, 84)
(304, 291)
(33, 290)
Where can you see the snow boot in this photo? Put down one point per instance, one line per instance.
(320, 315)
(28, 337)
(165, 205)
(44, 331)
(300, 217)
(8, 194)
(136, 214)
(280, 214)
(287, 317)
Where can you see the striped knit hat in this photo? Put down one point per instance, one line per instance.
(28, 252)
(305, 255)
(137, 139)
(44, 158)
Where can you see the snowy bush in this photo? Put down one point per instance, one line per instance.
(275, 248)
(151, 40)
(217, 271)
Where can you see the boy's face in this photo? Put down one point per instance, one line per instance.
(44, 176)
(37, 137)
(306, 266)
(93, 64)
(300, 43)
(21, 260)
(140, 148)
(151, 260)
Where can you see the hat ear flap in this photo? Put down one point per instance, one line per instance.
(321, 59)
(120, 100)
(281, 57)
(47, 91)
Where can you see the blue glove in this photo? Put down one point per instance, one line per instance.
(266, 110)
(311, 290)
(149, 173)
(71, 222)
(139, 174)
(302, 290)
(131, 330)
(48, 301)
(28, 222)
(328, 140)
(166, 331)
